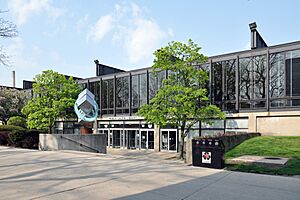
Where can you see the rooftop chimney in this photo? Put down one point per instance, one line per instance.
(13, 78)
(256, 40)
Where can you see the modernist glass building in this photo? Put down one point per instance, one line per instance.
(259, 89)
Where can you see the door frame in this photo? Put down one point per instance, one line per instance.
(176, 138)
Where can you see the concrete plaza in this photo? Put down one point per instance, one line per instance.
(30, 174)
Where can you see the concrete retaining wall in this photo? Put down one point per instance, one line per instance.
(87, 143)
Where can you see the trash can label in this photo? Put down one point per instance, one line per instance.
(206, 157)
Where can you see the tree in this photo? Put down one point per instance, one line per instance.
(11, 103)
(182, 100)
(53, 97)
(7, 30)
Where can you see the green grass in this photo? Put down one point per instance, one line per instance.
(285, 146)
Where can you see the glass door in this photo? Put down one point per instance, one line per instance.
(144, 140)
(172, 140)
(164, 140)
(169, 139)
(116, 138)
(132, 139)
(150, 139)
(147, 139)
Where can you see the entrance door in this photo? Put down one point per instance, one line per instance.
(150, 139)
(172, 140)
(132, 139)
(169, 139)
(144, 140)
(164, 140)
(116, 138)
(147, 139)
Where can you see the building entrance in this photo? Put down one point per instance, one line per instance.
(116, 138)
(147, 139)
(168, 139)
(132, 139)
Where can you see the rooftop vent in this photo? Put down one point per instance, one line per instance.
(256, 40)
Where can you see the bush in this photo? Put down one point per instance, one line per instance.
(31, 141)
(10, 128)
(4, 133)
(25, 138)
(17, 121)
(4, 139)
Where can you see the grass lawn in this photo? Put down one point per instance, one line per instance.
(285, 146)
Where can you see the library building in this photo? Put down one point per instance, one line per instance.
(258, 89)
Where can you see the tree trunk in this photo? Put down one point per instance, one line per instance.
(49, 130)
(182, 142)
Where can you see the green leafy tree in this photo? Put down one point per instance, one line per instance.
(11, 102)
(53, 97)
(182, 100)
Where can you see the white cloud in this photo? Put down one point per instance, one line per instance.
(24, 9)
(143, 39)
(138, 35)
(103, 26)
(82, 23)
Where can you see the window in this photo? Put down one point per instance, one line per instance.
(223, 84)
(135, 91)
(277, 80)
(217, 91)
(107, 96)
(95, 89)
(122, 95)
(253, 82)
(155, 82)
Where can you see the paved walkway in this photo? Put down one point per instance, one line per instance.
(29, 174)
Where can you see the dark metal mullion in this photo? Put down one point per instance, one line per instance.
(252, 80)
(268, 81)
(100, 97)
(115, 92)
(130, 93)
(210, 82)
(223, 85)
(237, 89)
(147, 86)
(138, 91)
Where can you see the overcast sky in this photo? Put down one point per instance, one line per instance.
(68, 35)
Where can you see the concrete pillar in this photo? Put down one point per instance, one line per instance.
(156, 138)
(188, 152)
(252, 123)
(95, 127)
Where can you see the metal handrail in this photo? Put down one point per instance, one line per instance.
(80, 144)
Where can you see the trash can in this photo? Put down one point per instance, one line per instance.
(208, 153)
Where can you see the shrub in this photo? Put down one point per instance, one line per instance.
(17, 137)
(25, 138)
(31, 141)
(4, 133)
(4, 139)
(17, 121)
(10, 128)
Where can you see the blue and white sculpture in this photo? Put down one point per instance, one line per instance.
(86, 108)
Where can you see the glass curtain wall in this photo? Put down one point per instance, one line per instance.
(252, 78)
(223, 84)
(285, 79)
(139, 91)
(122, 95)
(95, 89)
(155, 82)
(107, 97)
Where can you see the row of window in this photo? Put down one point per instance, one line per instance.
(283, 85)
(117, 92)
(248, 75)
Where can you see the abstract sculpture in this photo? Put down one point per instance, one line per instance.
(86, 108)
